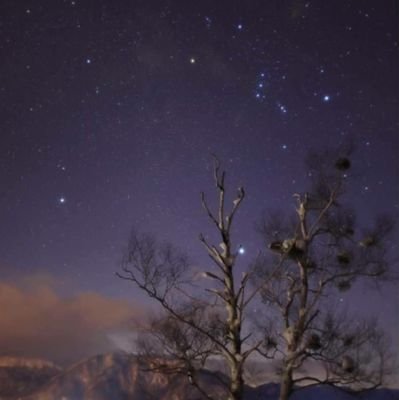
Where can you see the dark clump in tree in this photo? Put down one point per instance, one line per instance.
(310, 257)
(343, 164)
(316, 253)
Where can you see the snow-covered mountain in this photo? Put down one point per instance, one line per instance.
(21, 376)
(119, 376)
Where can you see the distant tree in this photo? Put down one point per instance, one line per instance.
(313, 255)
(194, 327)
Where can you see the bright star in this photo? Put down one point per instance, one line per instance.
(282, 108)
(241, 250)
(62, 200)
(239, 26)
(88, 61)
(326, 97)
(192, 60)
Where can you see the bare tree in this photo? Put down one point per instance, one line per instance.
(195, 327)
(312, 256)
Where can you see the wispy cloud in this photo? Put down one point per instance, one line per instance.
(37, 322)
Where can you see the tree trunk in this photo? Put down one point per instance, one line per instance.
(237, 383)
(286, 385)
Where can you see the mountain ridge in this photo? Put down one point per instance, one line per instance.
(120, 376)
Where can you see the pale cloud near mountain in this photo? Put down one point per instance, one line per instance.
(37, 322)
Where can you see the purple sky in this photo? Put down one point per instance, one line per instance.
(110, 110)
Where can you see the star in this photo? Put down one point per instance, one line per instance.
(282, 108)
(192, 60)
(326, 98)
(62, 200)
(88, 60)
(239, 27)
(241, 250)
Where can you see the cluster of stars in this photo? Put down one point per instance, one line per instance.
(61, 167)
(263, 82)
(282, 72)
(208, 22)
(282, 108)
(260, 87)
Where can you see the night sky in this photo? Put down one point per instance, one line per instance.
(110, 111)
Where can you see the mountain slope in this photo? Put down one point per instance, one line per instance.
(120, 376)
(23, 376)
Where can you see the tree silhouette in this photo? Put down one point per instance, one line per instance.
(313, 255)
(195, 327)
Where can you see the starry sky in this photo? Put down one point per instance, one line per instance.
(111, 109)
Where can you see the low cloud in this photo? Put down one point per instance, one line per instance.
(36, 322)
